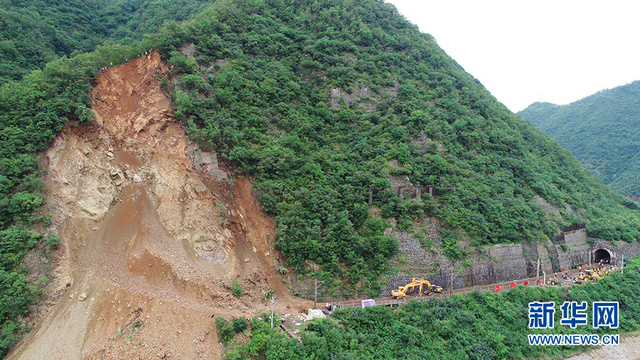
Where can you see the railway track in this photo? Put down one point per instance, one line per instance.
(505, 286)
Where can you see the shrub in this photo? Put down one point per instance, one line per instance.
(240, 324)
(269, 294)
(225, 330)
(236, 289)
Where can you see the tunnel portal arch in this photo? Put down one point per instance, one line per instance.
(602, 254)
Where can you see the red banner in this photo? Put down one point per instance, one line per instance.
(512, 285)
(498, 288)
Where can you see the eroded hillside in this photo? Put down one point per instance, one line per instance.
(154, 231)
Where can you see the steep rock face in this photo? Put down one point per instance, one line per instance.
(153, 231)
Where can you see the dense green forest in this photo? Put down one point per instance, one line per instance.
(258, 91)
(481, 325)
(601, 131)
(34, 32)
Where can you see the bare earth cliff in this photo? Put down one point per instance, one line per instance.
(153, 231)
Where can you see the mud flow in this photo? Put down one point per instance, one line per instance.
(154, 231)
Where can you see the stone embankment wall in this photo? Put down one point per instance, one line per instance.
(502, 262)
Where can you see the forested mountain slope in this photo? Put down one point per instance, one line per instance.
(34, 32)
(602, 131)
(269, 89)
(322, 103)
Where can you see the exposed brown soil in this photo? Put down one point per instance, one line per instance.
(153, 231)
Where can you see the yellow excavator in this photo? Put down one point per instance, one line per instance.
(424, 287)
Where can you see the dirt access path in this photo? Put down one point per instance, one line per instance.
(154, 231)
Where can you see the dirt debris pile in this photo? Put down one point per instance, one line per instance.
(154, 231)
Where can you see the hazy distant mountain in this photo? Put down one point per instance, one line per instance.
(602, 131)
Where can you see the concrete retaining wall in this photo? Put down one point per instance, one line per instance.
(506, 262)
(574, 250)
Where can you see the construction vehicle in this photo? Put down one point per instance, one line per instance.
(589, 275)
(424, 287)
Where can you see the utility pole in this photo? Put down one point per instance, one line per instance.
(315, 268)
(451, 282)
(273, 308)
(544, 281)
(622, 264)
(537, 265)
(315, 293)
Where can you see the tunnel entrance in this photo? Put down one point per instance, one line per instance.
(602, 254)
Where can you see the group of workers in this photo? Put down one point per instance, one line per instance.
(585, 273)
(331, 307)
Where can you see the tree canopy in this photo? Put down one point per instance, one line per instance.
(320, 102)
(601, 131)
(259, 86)
(35, 32)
